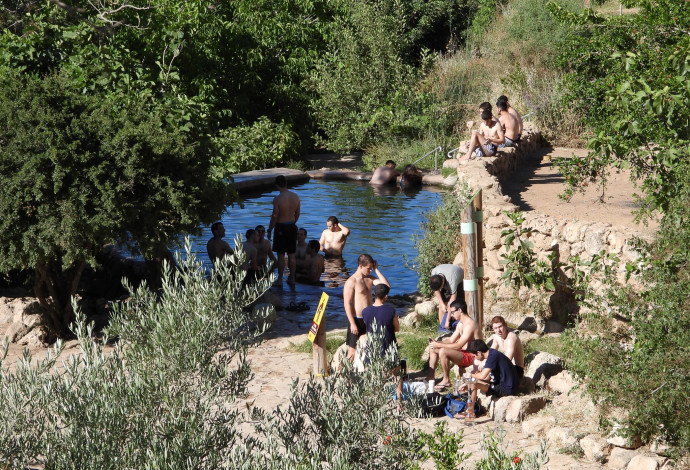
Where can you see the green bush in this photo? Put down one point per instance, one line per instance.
(262, 144)
(440, 240)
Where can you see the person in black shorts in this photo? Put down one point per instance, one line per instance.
(286, 209)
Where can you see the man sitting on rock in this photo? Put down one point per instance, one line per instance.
(508, 343)
(484, 141)
(498, 378)
(450, 349)
(446, 284)
(509, 124)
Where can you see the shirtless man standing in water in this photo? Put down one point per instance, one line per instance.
(286, 207)
(357, 296)
(334, 237)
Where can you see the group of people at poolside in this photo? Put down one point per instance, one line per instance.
(503, 130)
(304, 262)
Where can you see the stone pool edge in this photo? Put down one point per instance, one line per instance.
(262, 179)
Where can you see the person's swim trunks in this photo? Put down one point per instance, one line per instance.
(351, 339)
(507, 143)
(489, 149)
(285, 238)
(467, 359)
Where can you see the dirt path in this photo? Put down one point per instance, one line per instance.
(536, 188)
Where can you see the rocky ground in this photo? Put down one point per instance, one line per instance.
(557, 411)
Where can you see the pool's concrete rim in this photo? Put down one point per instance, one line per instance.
(265, 179)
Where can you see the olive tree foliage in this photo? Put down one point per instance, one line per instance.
(164, 394)
(160, 397)
(629, 75)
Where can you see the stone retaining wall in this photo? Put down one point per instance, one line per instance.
(568, 236)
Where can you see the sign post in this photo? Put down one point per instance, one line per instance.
(317, 335)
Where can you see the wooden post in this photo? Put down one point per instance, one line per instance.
(469, 248)
(320, 366)
(479, 218)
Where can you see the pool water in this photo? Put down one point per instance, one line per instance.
(382, 223)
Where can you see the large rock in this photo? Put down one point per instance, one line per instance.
(543, 366)
(524, 406)
(643, 462)
(339, 357)
(426, 308)
(562, 382)
(32, 320)
(595, 447)
(561, 438)
(16, 331)
(412, 319)
(616, 438)
(499, 408)
(537, 426)
(620, 458)
(526, 386)
(39, 337)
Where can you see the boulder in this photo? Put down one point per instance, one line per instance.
(426, 308)
(32, 320)
(659, 446)
(619, 458)
(562, 382)
(526, 386)
(595, 447)
(450, 163)
(542, 366)
(643, 462)
(537, 426)
(16, 331)
(616, 438)
(561, 438)
(39, 337)
(338, 359)
(500, 407)
(412, 319)
(524, 406)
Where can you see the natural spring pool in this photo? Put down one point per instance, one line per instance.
(382, 221)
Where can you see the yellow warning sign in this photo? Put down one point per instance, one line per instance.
(317, 317)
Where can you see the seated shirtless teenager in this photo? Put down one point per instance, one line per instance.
(450, 349)
(509, 124)
(334, 237)
(484, 142)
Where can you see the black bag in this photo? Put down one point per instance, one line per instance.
(433, 404)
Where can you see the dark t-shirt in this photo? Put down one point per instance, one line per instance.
(503, 371)
(383, 315)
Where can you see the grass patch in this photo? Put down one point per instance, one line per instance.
(411, 347)
(446, 172)
(332, 345)
(550, 344)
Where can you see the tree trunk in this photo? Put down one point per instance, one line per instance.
(54, 289)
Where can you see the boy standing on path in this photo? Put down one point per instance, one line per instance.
(357, 296)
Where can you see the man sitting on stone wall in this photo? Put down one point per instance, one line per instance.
(508, 343)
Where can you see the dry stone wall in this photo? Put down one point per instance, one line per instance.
(567, 237)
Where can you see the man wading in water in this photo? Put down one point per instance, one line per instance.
(286, 206)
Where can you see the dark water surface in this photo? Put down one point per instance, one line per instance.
(382, 222)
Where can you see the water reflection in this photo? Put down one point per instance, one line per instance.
(335, 272)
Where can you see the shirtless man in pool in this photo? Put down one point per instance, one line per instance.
(334, 237)
(357, 296)
(286, 207)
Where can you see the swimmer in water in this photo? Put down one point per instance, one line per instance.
(334, 237)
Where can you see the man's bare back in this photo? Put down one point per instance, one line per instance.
(511, 126)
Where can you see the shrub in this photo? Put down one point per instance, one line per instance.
(260, 145)
(157, 399)
(440, 240)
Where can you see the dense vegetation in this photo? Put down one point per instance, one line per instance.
(629, 77)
